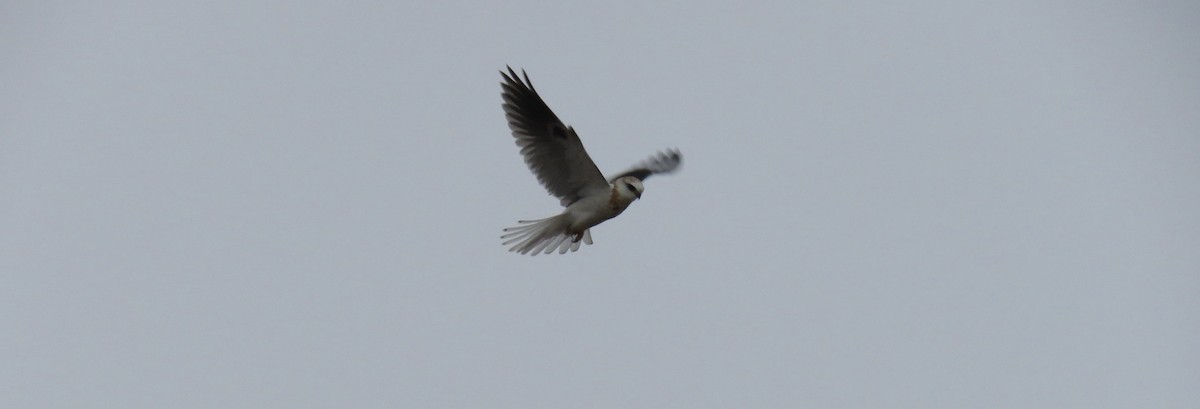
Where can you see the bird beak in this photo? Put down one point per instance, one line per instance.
(638, 194)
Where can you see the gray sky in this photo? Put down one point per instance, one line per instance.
(298, 204)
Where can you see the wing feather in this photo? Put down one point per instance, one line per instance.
(552, 150)
(663, 162)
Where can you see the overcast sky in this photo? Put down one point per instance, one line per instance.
(282, 204)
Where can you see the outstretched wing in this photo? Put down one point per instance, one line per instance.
(552, 149)
(663, 162)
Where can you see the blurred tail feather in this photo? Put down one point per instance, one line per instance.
(544, 236)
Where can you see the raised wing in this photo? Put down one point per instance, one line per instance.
(663, 162)
(551, 149)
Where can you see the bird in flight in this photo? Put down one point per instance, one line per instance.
(556, 156)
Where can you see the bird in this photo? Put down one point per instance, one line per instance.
(555, 155)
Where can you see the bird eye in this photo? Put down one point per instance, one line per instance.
(630, 186)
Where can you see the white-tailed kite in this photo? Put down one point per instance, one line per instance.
(556, 156)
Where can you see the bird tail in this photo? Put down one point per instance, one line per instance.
(544, 236)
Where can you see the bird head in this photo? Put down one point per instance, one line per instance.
(629, 186)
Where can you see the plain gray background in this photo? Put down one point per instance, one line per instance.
(287, 204)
